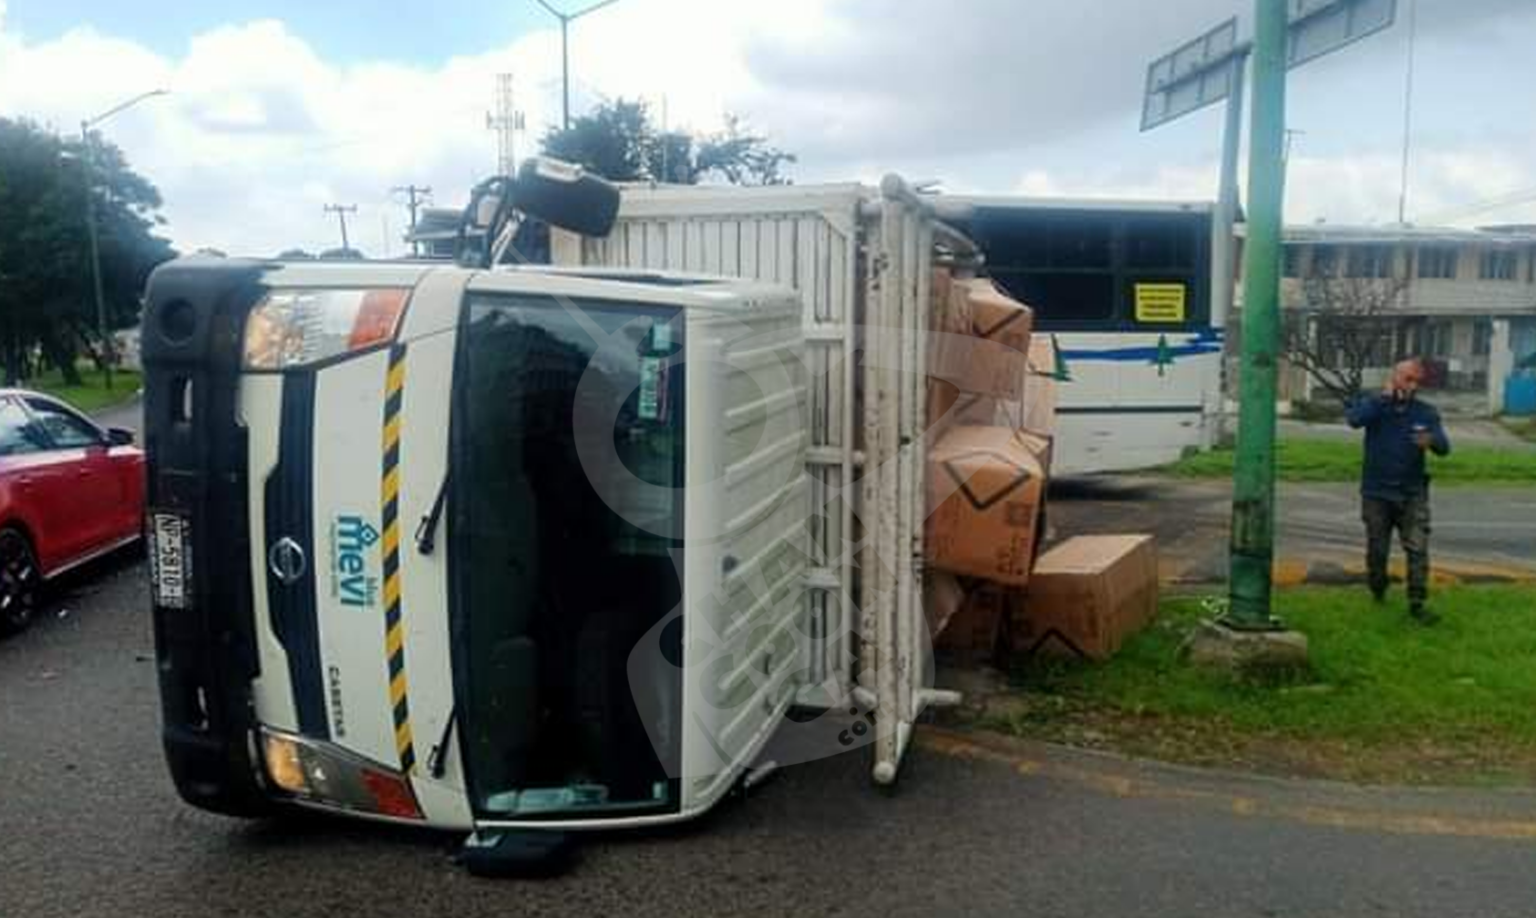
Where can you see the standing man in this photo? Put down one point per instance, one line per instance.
(1394, 489)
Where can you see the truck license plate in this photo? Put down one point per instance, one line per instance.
(170, 560)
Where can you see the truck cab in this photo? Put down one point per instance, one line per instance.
(476, 549)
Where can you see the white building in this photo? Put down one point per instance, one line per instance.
(1466, 303)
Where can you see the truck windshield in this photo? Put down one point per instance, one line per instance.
(562, 558)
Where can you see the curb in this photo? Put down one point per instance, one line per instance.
(1294, 572)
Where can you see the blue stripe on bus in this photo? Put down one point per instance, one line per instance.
(1206, 341)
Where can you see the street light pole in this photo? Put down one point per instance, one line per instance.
(88, 151)
(565, 53)
(89, 163)
(565, 73)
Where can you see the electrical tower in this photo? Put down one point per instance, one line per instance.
(417, 196)
(341, 211)
(506, 122)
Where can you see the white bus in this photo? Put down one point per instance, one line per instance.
(1124, 290)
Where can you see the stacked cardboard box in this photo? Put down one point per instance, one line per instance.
(985, 487)
(1086, 596)
(992, 416)
(978, 355)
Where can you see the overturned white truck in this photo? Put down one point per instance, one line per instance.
(862, 260)
(525, 551)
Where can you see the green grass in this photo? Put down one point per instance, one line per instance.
(1466, 687)
(1339, 460)
(92, 394)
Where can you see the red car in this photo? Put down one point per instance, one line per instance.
(70, 491)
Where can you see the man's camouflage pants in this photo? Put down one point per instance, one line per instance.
(1410, 518)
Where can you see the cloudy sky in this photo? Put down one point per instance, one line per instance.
(279, 108)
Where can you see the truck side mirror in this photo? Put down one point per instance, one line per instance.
(567, 196)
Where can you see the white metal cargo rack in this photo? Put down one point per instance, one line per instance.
(861, 260)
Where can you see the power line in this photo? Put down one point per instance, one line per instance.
(341, 211)
(1471, 208)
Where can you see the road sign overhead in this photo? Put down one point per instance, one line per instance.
(1320, 26)
(1194, 75)
(1200, 72)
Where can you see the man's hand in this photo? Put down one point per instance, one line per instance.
(1424, 439)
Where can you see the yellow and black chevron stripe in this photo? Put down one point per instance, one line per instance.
(394, 629)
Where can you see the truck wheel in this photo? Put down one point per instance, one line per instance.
(19, 580)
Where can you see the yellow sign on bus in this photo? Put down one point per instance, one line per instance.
(1160, 302)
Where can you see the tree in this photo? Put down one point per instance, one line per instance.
(47, 301)
(1344, 327)
(619, 142)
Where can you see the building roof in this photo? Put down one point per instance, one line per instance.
(1399, 234)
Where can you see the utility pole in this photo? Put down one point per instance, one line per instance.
(506, 122)
(1253, 495)
(416, 197)
(341, 211)
(565, 53)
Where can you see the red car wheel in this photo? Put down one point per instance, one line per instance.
(19, 579)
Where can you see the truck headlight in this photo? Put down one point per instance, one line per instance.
(291, 328)
(321, 773)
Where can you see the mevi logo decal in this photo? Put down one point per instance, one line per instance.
(353, 580)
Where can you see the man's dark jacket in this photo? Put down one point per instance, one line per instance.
(1394, 464)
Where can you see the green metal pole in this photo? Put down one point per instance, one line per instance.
(1253, 491)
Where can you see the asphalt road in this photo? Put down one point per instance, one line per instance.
(1478, 532)
(90, 825)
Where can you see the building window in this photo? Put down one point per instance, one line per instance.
(1292, 266)
(1325, 261)
(1437, 263)
(1499, 265)
(1437, 339)
(1369, 261)
(1482, 337)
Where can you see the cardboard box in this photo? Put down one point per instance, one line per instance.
(975, 632)
(978, 355)
(1040, 391)
(948, 346)
(1086, 596)
(996, 364)
(985, 488)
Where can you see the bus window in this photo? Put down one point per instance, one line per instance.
(1164, 244)
(1061, 299)
(1082, 269)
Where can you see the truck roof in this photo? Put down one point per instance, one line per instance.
(953, 205)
